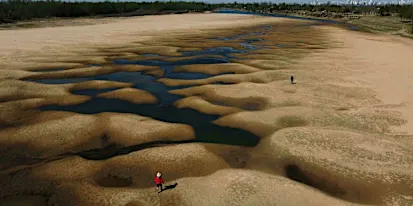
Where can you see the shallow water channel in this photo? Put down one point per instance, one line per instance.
(164, 110)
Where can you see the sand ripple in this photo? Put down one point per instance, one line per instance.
(327, 140)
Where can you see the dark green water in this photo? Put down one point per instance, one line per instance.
(164, 110)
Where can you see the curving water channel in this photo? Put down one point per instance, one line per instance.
(164, 110)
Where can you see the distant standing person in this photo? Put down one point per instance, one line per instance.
(292, 79)
(159, 181)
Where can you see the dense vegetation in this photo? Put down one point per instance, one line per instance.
(405, 11)
(15, 10)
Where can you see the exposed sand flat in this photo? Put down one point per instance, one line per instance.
(135, 96)
(14, 90)
(210, 93)
(358, 87)
(256, 77)
(41, 137)
(18, 43)
(131, 129)
(37, 65)
(133, 173)
(14, 74)
(397, 87)
(73, 73)
(245, 187)
(142, 49)
(266, 122)
(69, 58)
(204, 106)
(128, 179)
(21, 90)
(337, 155)
(199, 43)
(215, 69)
(282, 93)
(383, 66)
(77, 72)
(336, 137)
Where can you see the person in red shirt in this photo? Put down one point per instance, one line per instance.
(159, 181)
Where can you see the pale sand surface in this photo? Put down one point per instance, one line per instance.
(205, 107)
(203, 179)
(342, 135)
(49, 134)
(135, 96)
(217, 68)
(19, 42)
(386, 68)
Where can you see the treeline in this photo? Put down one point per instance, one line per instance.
(16, 10)
(405, 11)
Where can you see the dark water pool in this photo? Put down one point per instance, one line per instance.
(48, 70)
(150, 55)
(164, 109)
(93, 92)
(223, 51)
(205, 131)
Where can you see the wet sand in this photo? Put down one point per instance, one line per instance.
(341, 135)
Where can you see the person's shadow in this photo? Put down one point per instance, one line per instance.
(170, 187)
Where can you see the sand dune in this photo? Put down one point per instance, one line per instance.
(342, 135)
(245, 187)
(43, 137)
(256, 77)
(204, 106)
(33, 66)
(100, 176)
(135, 96)
(15, 90)
(109, 184)
(215, 69)
(327, 159)
(266, 122)
(81, 72)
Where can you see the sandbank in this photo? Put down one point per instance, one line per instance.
(341, 135)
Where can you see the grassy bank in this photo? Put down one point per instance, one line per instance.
(387, 24)
(394, 24)
(393, 19)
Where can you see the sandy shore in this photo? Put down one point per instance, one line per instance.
(342, 135)
(380, 63)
